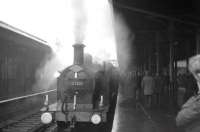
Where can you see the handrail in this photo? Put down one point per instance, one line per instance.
(26, 96)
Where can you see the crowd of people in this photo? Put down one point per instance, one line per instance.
(147, 88)
(152, 89)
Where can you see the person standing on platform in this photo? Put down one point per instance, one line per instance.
(138, 86)
(134, 82)
(129, 84)
(165, 90)
(158, 87)
(148, 85)
(191, 87)
(189, 115)
(182, 82)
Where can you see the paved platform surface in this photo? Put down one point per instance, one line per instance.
(130, 119)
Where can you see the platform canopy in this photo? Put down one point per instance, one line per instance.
(156, 25)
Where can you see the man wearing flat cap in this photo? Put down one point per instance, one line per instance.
(189, 115)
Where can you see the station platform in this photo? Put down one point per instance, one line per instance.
(131, 118)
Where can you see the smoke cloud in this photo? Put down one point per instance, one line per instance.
(45, 74)
(80, 20)
(94, 23)
(124, 39)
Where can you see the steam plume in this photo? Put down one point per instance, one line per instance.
(80, 20)
(124, 39)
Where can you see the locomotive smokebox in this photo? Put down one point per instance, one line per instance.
(78, 54)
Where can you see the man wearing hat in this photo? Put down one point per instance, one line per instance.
(189, 115)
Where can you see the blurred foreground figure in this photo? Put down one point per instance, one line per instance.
(189, 115)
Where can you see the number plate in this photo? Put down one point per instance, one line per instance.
(77, 83)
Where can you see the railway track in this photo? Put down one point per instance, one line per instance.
(52, 127)
(30, 123)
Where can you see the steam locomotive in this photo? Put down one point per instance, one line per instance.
(85, 95)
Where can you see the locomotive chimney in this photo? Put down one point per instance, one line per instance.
(78, 54)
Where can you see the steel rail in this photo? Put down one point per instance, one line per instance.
(26, 96)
